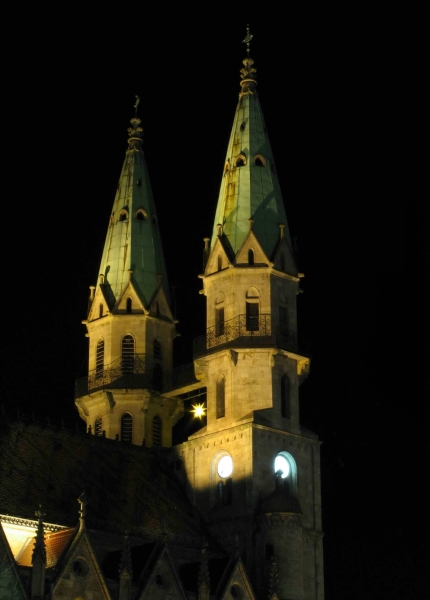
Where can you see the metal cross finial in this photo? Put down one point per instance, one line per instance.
(136, 104)
(247, 39)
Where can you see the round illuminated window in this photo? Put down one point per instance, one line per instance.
(282, 464)
(225, 467)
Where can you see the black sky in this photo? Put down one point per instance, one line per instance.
(335, 93)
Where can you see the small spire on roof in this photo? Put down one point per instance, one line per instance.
(136, 104)
(82, 509)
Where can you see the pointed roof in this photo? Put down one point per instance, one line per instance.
(250, 186)
(133, 247)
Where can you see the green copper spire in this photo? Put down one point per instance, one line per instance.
(133, 244)
(250, 193)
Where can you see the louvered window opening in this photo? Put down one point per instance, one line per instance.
(126, 428)
(127, 354)
(100, 358)
(156, 431)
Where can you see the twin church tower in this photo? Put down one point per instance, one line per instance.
(253, 472)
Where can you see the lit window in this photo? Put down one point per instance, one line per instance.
(285, 466)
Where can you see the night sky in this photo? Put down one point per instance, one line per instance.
(335, 101)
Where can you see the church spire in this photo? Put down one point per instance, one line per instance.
(249, 187)
(132, 249)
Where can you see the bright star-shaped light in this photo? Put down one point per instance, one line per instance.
(199, 411)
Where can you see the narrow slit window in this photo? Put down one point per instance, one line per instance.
(252, 316)
(251, 257)
(128, 306)
(219, 321)
(220, 397)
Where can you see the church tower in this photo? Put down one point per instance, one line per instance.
(130, 324)
(254, 471)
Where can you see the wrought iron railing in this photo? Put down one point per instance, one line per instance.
(244, 331)
(121, 372)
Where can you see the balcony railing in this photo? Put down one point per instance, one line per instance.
(127, 372)
(243, 331)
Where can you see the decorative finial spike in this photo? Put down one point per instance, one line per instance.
(136, 104)
(247, 39)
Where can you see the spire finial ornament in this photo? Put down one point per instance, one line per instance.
(248, 73)
(136, 104)
(247, 40)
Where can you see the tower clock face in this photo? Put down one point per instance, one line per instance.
(225, 467)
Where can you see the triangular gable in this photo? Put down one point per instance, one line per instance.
(160, 575)
(78, 569)
(218, 259)
(235, 577)
(251, 243)
(10, 582)
(129, 292)
(159, 305)
(99, 299)
(283, 259)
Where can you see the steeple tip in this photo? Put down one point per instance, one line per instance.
(135, 131)
(248, 74)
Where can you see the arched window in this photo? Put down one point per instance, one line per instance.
(123, 215)
(156, 431)
(285, 396)
(141, 214)
(286, 465)
(252, 310)
(127, 354)
(157, 377)
(240, 161)
(100, 358)
(259, 160)
(157, 351)
(98, 426)
(126, 428)
(250, 256)
(100, 311)
(219, 262)
(128, 306)
(220, 397)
